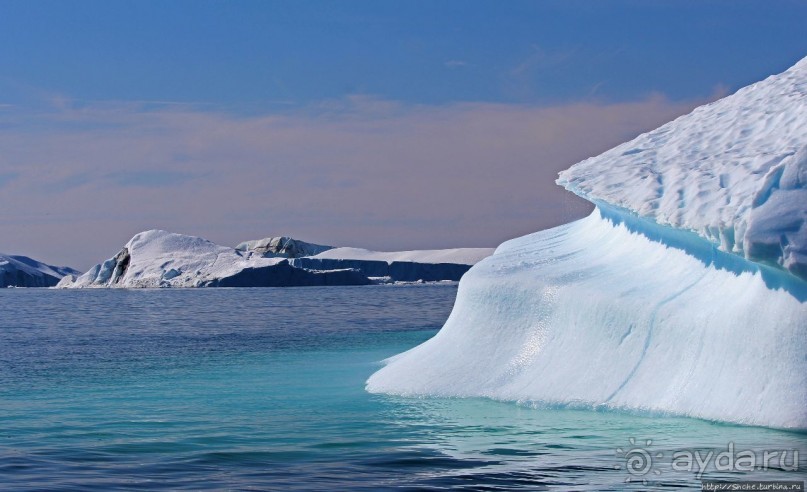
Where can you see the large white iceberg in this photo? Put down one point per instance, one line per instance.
(163, 259)
(682, 293)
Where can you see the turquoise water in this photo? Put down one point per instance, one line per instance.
(263, 389)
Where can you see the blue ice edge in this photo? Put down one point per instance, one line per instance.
(702, 250)
(472, 356)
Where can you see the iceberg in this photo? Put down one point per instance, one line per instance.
(282, 247)
(733, 171)
(399, 266)
(156, 258)
(458, 256)
(683, 293)
(21, 271)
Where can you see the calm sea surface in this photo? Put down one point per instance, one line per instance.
(263, 389)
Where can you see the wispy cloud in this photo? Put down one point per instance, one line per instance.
(364, 171)
(540, 58)
(524, 79)
(150, 179)
(455, 64)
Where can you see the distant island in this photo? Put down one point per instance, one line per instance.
(21, 271)
(156, 259)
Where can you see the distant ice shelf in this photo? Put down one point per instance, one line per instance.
(399, 266)
(683, 293)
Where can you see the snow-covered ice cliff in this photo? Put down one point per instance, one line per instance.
(684, 292)
(460, 256)
(734, 171)
(282, 246)
(399, 266)
(163, 259)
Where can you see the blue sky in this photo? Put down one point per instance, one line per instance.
(240, 54)
(106, 104)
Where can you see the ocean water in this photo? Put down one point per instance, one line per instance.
(263, 389)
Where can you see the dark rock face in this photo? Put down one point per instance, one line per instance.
(285, 275)
(122, 260)
(20, 278)
(397, 271)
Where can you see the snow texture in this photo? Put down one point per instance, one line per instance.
(282, 246)
(734, 171)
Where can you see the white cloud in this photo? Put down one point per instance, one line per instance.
(455, 64)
